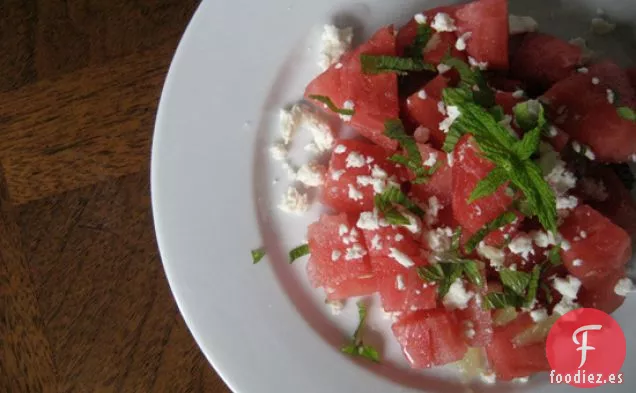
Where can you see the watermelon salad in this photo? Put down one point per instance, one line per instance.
(485, 193)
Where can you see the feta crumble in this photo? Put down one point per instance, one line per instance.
(401, 258)
(543, 239)
(611, 97)
(434, 206)
(439, 239)
(414, 225)
(312, 174)
(482, 65)
(568, 287)
(343, 229)
(539, 315)
(335, 255)
(443, 68)
(335, 175)
(336, 306)
(521, 24)
(601, 26)
(560, 179)
(521, 380)
(431, 160)
(494, 255)
(595, 81)
(443, 22)
(289, 120)
(521, 245)
(565, 306)
(370, 221)
(354, 193)
(422, 94)
(356, 251)
(583, 70)
(452, 114)
(488, 378)
(577, 262)
(294, 202)
(566, 203)
(340, 149)
(460, 45)
(355, 160)
(376, 242)
(441, 107)
(420, 18)
(347, 105)
(278, 151)
(335, 42)
(457, 296)
(624, 286)
(321, 131)
(399, 237)
(399, 283)
(519, 93)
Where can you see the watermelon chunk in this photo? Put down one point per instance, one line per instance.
(509, 361)
(406, 292)
(375, 97)
(423, 108)
(597, 246)
(612, 76)
(439, 185)
(487, 21)
(440, 43)
(385, 237)
(357, 171)
(477, 322)
(599, 293)
(470, 168)
(542, 60)
(430, 338)
(338, 255)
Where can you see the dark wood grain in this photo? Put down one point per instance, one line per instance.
(84, 303)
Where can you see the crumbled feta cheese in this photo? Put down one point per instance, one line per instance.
(335, 255)
(482, 65)
(347, 105)
(335, 42)
(422, 94)
(399, 283)
(568, 287)
(450, 159)
(439, 239)
(521, 24)
(434, 206)
(355, 160)
(521, 245)
(469, 333)
(589, 154)
(294, 202)
(494, 255)
(311, 147)
(583, 234)
(356, 251)
(371, 221)
(543, 239)
(601, 26)
(278, 151)
(632, 157)
(336, 306)
(312, 174)
(577, 262)
(443, 68)
(320, 129)
(400, 257)
(521, 380)
(441, 107)
(566, 203)
(519, 93)
(378, 172)
(560, 179)
(489, 378)
(611, 96)
(340, 149)
(338, 66)
(583, 70)
(431, 160)
(624, 286)
(399, 237)
(539, 315)
(457, 296)
(565, 306)
(414, 225)
(565, 245)
(595, 81)
(290, 119)
(443, 22)
(376, 243)
(354, 193)
(335, 175)
(552, 131)
(420, 18)
(460, 45)
(343, 229)
(452, 114)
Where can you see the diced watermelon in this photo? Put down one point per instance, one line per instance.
(597, 246)
(347, 186)
(439, 185)
(375, 97)
(354, 287)
(509, 361)
(543, 60)
(599, 293)
(478, 324)
(470, 168)
(559, 140)
(507, 101)
(380, 241)
(440, 42)
(487, 21)
(425, 112)
(612, 76)
(430, 338)
(406, 292)
(332, 242)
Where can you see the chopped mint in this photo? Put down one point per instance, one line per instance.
(356, 347)
(530, 115)
(455, 240)
(501, 221)
(423, 35)
(372, 64)
(393, 195)
(496, 300)
(546, 291)
(394, 129)
(472, 82)
(488, 185)
(394, 217)
(257, 255)
(497, 112)
(515, 280)
(554, 256)
(626, 113)
(298, 252)
(533, 285)
(448, 271)
(327, 101)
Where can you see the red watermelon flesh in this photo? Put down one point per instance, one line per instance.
(430, 338)
(375, 97)
(408, 32)
(543, 60)
(598, 246)
(353, 287)
(509, 361)
(507, 101)
(487, 21)
(423, 108)
(477, 322)
(352, 166)
(559, 140)
(405, 292)
(331, 241)
(599, 293)
(613, 77)
(470, 168)
(381, 240)
(439, 186)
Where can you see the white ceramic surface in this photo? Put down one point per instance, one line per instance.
(262, 327)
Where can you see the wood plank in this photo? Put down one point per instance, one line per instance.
(17, 42)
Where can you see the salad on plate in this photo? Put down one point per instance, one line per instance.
(484, 192)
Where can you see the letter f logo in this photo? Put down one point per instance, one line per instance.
(584, 347)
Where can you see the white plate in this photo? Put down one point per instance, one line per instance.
(261, 326)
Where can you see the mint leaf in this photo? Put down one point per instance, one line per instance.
(453, 271)
(528, 145)
(530, 115)
(455, 240)
(451, 140)
(533, 285)
(257, 255)
(497, 112)
(370, 353)
(327, 101)
(472, 81)
(504, 219)
(516, 281)
(393, 195)
(431, 273)
(394, 129)
(488, 185)
(447, 272)
(495, 300)
(356, 347)
(471, 270)
(394, 217)
(546, 291)
(626, 113)
(298, 252)
(372, 64)
(540, 197)
(554, 256)
(423, 35)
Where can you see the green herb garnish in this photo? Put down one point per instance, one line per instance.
(495, 300)
(422, 37)
(257, 255)
(515, 280)
(394, 129)
(554, 256)
(626, 113)
(533, 285)
(501, 221)
(327, 101)
(472, 82)
(372, 64)
(393, 195)
(447, 272)
(298, 252)
(530, 115)
(356, 347)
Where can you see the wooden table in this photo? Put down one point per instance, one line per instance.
(84, 304)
